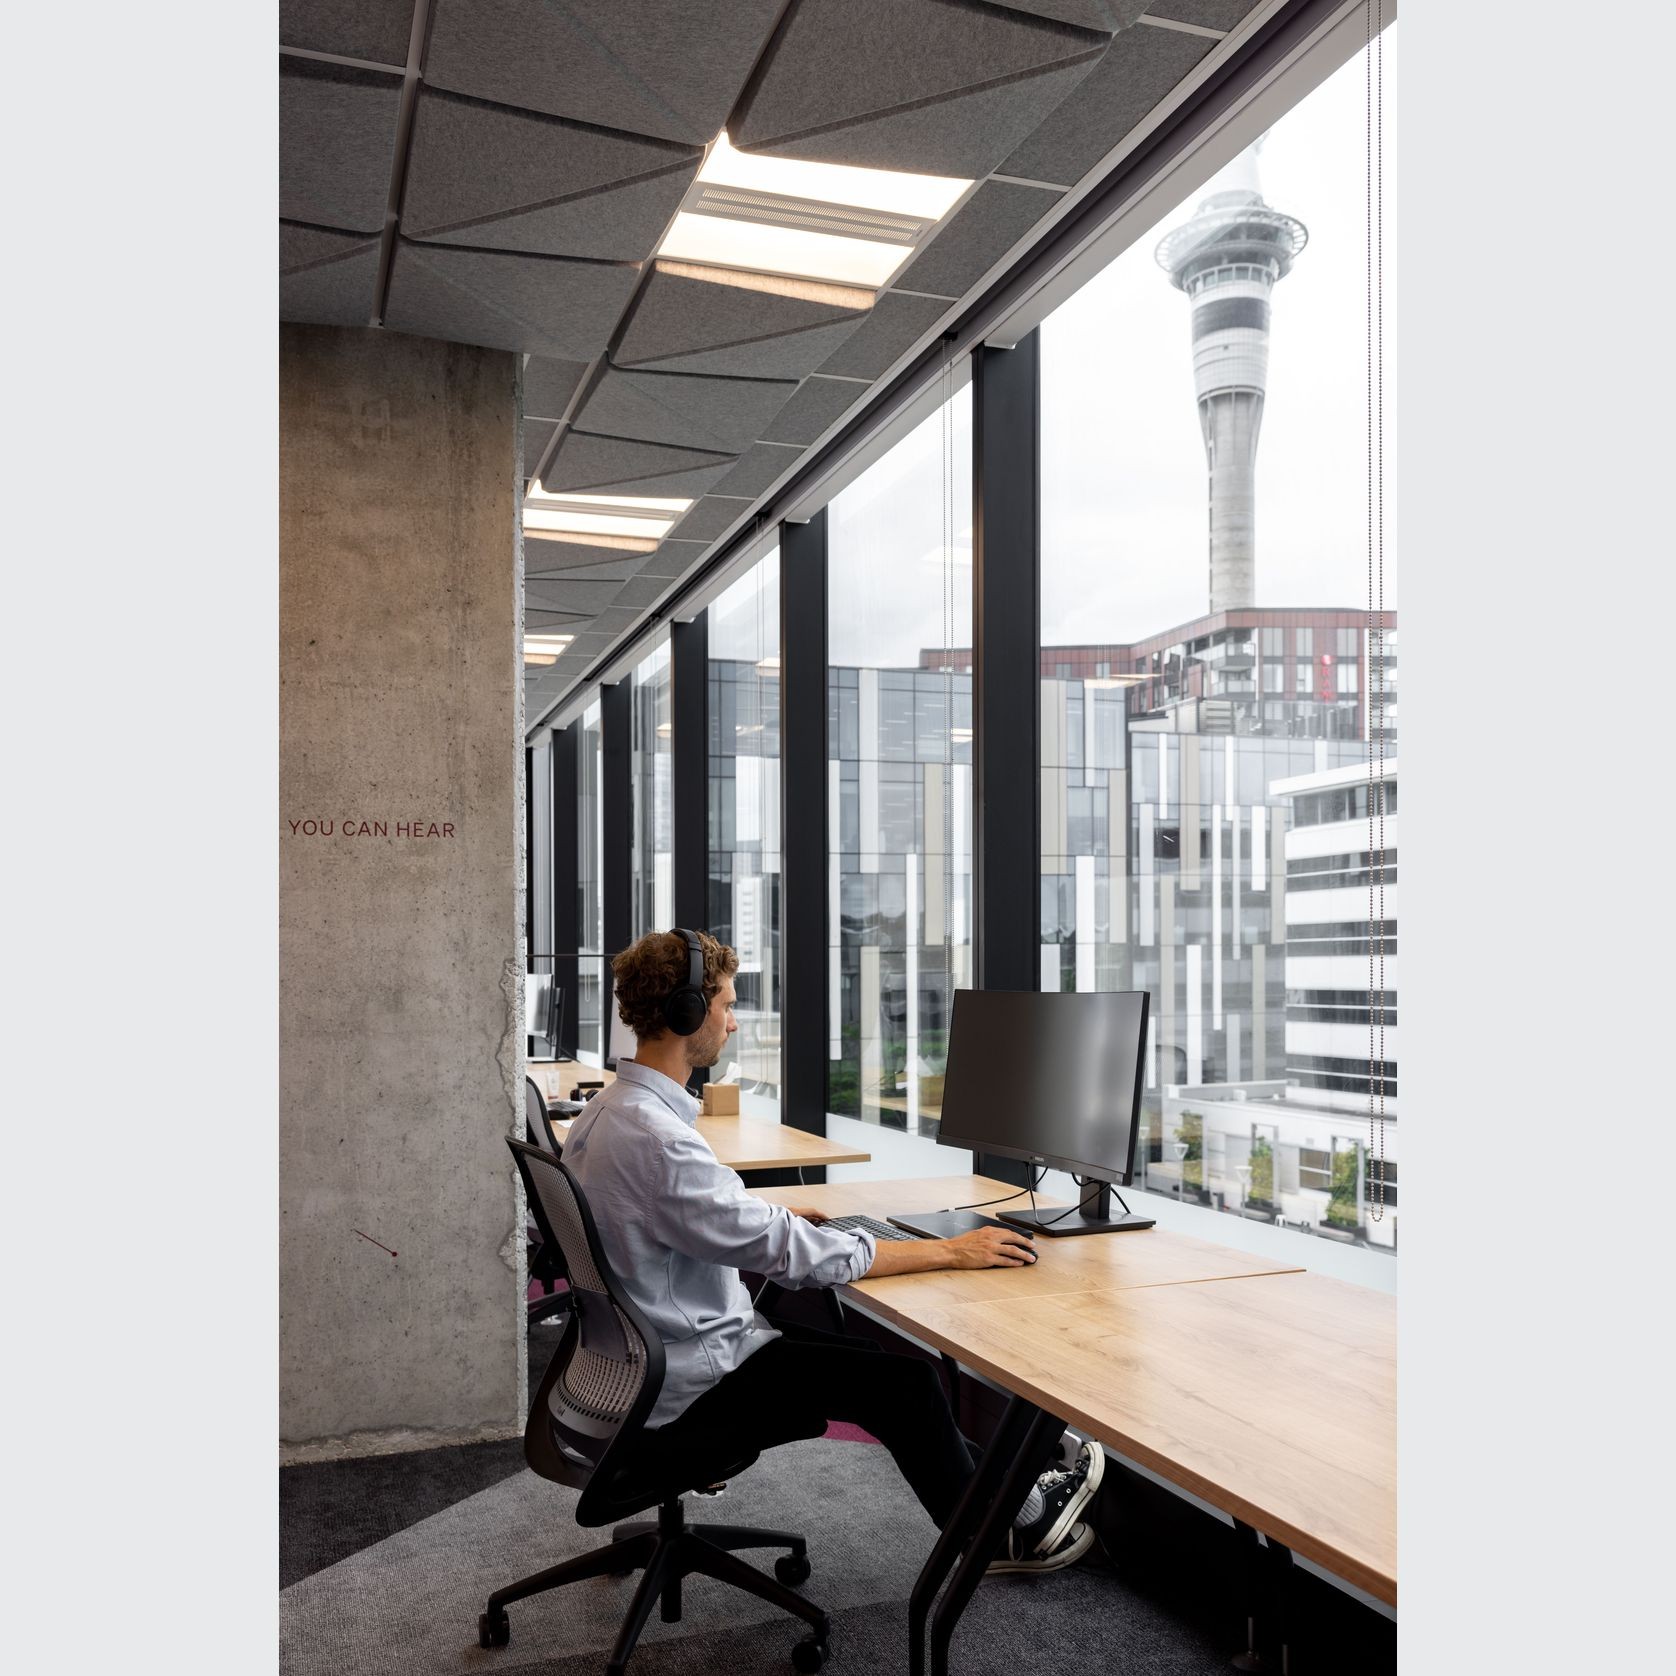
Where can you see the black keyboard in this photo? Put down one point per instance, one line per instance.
(879, 1230)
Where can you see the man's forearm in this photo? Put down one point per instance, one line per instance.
(909, 1257)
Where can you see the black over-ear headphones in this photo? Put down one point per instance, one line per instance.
(685, 1009)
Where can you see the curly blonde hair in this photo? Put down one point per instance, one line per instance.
(648, 972)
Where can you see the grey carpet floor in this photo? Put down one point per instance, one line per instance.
(407, 1605)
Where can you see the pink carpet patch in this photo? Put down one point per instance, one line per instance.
(844, 1432)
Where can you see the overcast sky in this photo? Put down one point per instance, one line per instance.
(1124, 522)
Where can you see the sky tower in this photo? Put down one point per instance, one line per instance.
(1228, 259)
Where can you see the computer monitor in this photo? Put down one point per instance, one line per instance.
(622, 1042)
(1053, 1080)
(538, 1003)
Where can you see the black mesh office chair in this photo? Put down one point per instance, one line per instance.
(546, 1265)
(586, 1430)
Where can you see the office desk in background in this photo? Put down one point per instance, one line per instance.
(1265, 1391)
(758, 1143)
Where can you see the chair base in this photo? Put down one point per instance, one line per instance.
(669, 1550)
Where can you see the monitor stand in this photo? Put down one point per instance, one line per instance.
(1092, 1216)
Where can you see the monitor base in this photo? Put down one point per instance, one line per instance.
(1057, 1223)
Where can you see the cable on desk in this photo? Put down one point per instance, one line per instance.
(982, 1203)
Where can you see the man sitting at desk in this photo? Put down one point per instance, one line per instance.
(677, 1227)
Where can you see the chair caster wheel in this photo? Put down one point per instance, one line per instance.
(808, 1656)
(793, 1569)
(494, 1629)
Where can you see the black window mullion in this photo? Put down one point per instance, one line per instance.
(616, 789)
(567, 884)
(1006, 677)
(803, 825)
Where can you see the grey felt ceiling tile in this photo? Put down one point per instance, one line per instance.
(326, 278)
(483, 175)
(337, 142)
(589, 598)
(546, 305)
(1208, 14)
(993, 220)
(374, 29)
(623, 569)
(673, 558)
(588, 464)
(1107, 15)
(758, 469)
(671, 68)
(1142, 66)
(819, 402)
(938, 86)
(545, 557)
(537, 621)
(549, 385)
(709, 518)
(698, 325)
(895, 323)
(721, 414)
(644, 591)
(537, 434)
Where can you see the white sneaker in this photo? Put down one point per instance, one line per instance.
(1015, 1557)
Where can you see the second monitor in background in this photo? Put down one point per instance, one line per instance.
(1054, 1080)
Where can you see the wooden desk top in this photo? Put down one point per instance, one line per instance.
(758, 1143)
(1271, 1395)
(1080, 1263)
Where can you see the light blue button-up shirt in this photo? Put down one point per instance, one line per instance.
(677, 1227)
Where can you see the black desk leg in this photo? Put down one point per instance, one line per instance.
(1009, 1435)
(1281, 1558)
(1251, 1557)
(1041, 1433)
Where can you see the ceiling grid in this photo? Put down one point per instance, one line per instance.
(507, 175)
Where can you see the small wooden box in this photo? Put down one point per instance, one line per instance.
(721, 1099)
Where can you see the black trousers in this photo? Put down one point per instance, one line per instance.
(790, 1389)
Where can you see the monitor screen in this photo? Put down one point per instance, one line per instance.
(622, 1043)
(538, 1003)
(1053, 1078)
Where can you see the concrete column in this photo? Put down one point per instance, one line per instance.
(401, 908)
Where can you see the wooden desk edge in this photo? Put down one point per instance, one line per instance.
(1354, 1571)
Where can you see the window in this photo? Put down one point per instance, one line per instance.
(652, 820)
(539, 864)
(899, 758)
(1202, 396)
(590, 921)
(744, 817)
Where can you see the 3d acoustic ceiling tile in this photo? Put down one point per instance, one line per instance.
(699, 325)
(674, 558)
(758, 469)
(588, 464)
(1109, 15)
(537, 434)
(724, 415)
(819, 402)
(556, 558)
(1208, 14)
(337, 142)
(993, 220)
(622, 569)
(500, 179)
(588, 598)
(670, 68)
(549, 385)
(374, 29)
(643, 591)
(708, 518)
(1141, 68)
(944, 87)
(895, 323)
(326, 278)
(546, 305)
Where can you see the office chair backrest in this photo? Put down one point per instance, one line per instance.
(608, 1369)
(536, 1121)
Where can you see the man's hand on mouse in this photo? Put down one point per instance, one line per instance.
(992, 1248)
